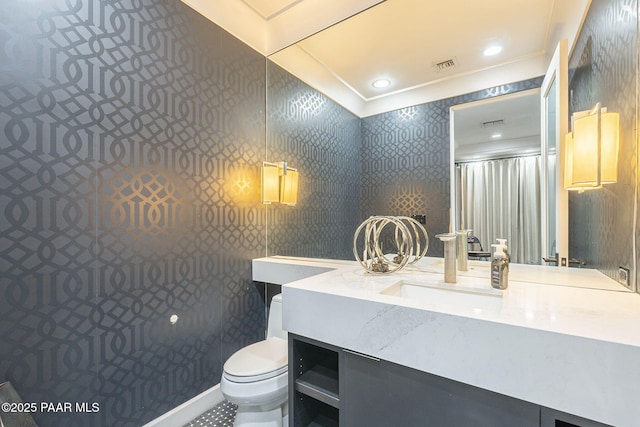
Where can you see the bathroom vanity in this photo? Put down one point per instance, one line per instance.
(558, 346)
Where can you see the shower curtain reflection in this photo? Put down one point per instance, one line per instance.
(501, 199)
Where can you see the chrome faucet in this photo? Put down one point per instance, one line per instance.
(449, 240)
(462, 251)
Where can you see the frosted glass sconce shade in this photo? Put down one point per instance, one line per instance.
(568, 167)
(289, 187)
(279, 184)
(270, 184)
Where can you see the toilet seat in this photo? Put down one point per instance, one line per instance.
(259, 361)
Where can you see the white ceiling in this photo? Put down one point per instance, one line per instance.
(269, 9)
(400, 40)
(498, 127)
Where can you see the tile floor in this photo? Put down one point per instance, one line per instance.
(220, 416)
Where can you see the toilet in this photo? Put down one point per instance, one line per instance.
(255, 377)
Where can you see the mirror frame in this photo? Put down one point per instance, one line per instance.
(558, 72)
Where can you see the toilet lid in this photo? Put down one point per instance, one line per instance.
(262, 360)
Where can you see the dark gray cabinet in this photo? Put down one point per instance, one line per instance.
(553, 418)
(380, 393)
(314, 383)
(330, 386)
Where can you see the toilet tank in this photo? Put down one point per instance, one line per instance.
(274, 325)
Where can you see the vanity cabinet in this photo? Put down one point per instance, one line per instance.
(330, 386)
(552, 418)
(314, 385)
(381, 393)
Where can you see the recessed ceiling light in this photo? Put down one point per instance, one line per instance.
(496, 135)
(492, 50)
(381, 83)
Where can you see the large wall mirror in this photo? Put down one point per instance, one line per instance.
(496, 164)
(315, 133)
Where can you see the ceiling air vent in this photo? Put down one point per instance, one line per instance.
(492, 123)
(446, 65)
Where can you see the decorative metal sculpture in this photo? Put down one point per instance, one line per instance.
(407, 237)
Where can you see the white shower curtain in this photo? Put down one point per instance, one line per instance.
(501, 199)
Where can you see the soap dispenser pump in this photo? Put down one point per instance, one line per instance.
(503, 243)
(500, 266)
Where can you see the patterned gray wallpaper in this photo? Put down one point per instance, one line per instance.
(321, 139)
(130, 138)
(405, 160)
(603, 68)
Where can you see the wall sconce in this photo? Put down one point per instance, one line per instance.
(279, 184)
(591, 149)
(568, 168)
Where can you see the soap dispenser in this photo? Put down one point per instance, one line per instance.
(500, 266)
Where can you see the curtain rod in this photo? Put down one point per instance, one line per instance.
(497, 158)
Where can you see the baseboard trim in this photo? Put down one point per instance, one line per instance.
(181, 415)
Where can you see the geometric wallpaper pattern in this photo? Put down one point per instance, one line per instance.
(394, 163)
(130, 134)
(322, 140)
(130, 139)
(603, 68)
(405, 160)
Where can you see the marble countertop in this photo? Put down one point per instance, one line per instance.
(568, 339)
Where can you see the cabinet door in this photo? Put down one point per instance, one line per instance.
(553, 418)
(380, 393)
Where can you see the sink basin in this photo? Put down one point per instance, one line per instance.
(440, 293)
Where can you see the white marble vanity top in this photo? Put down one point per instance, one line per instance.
(568, 339)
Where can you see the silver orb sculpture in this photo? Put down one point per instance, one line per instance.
(407, 235)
